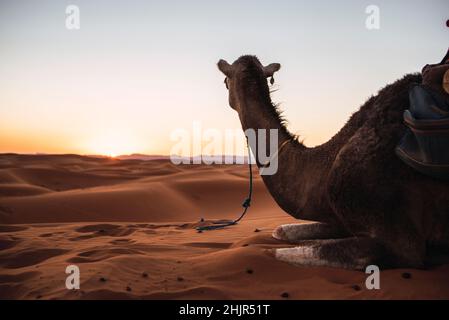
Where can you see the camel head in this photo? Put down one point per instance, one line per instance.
(245, 68)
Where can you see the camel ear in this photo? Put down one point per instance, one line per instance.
(225, 67)
(271, 69)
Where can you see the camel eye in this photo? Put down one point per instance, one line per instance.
(226, 83)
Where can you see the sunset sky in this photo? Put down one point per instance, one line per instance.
(138, 70)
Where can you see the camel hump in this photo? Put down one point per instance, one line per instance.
(425, 145)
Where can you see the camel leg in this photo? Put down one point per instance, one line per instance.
(374, 194)
(296, 232)
(348, 253)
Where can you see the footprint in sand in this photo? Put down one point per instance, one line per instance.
(10, 282)
(102, 230)
(150, 232)
(98, 227)
(28, 257)
(122, 241)
(15, 278)
(212, 245)
(138, 225)
(10, 228)
(7, 242)
(6, 210)
(47, 235)
(103, 254)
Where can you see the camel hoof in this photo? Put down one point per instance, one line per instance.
(295, 232)
(279, 233)
(292, 232)
(349, 253)
(299, 256)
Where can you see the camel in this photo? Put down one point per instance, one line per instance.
(363, 205)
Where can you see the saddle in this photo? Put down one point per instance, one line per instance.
(425, 145)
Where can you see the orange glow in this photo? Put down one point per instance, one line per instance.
(112, 144)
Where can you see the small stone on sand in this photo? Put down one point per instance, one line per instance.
(407, 275)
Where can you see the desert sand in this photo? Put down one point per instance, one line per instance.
(129, 225)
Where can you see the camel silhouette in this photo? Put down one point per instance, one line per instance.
(364, 205)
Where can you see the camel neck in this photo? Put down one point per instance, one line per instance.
(257, 111)
(299, 177)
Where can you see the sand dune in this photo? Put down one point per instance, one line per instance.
(129, 226)
(114, 190)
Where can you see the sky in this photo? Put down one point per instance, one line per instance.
(137, 71)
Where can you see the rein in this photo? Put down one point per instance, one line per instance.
(247, 203)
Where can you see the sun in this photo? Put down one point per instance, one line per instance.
(113, 144)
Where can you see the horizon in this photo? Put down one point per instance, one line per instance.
(140, 156)
(119, 84)
(116, 156)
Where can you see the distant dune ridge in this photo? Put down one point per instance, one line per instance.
(198, 159)
(129, 223)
